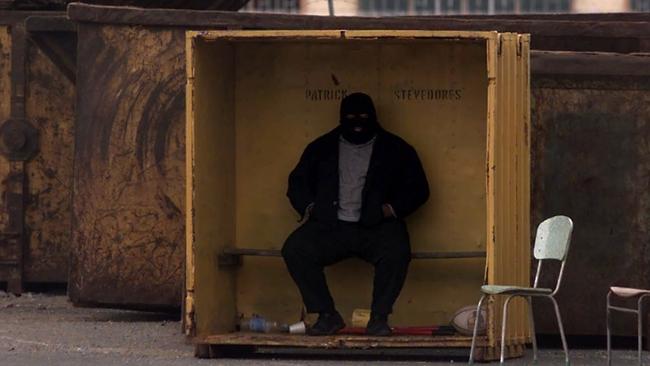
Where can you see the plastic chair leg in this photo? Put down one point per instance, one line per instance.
(531, 319)
(609, 331)
(559, 323)
(503, 328)
(478, 318)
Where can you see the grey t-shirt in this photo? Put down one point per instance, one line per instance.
(353, 167)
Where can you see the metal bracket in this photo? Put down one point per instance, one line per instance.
(18, 139)
(225, 260)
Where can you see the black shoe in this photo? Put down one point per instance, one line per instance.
(327, 324)
(378, 326)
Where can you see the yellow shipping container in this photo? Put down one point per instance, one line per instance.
(254, 101)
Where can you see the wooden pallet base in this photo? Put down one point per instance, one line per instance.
(494, 353)
(242, 344)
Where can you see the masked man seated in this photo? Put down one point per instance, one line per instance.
(356, 185)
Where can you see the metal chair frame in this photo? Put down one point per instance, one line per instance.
(541, 255)
(639, 313)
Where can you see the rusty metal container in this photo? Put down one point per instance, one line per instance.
(37, 115)
(129, 164)
(475, 151)
(129, 160)
(37, 100)
(591, 161)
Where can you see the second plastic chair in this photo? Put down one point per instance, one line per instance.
(631, 293)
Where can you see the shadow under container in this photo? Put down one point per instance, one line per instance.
(255, 99)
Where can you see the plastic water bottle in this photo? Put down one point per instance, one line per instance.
(258, 324)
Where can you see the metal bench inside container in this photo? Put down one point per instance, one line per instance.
(230, 257)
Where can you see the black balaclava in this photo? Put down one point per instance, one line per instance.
(357, 104)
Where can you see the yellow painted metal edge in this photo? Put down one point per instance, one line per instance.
(421, 34)
(491, 51)
(343, 34)
(507, 128)
(189, 187)
(525, 171)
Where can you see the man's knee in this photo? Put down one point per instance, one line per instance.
(397, 258)
(296, 244)
(300, 241)
(402, 259)
(290, 248)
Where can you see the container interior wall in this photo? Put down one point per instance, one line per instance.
(512, 184)
(213, 149)
(432, 93)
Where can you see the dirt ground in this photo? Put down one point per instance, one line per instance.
(42, 329)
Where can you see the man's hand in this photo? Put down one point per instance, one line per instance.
(388, 210)
(308, 210)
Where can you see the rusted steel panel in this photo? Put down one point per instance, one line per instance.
(5, 72)
(13, 236)
(5, 105)
(573, 64)
(57, 23)
(34, 4)
(231, 5)
(50, 99)
(604, 17)
(36, 185)
(17, 134)
(189, 4)
(591, 162)
(129, 167)
(7, 255)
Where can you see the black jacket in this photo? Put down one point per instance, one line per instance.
(395, 176)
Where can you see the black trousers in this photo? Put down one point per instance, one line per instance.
(315, 245)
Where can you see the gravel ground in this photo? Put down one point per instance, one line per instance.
(37, 329)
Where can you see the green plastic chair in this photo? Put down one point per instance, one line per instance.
(551, 242)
